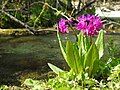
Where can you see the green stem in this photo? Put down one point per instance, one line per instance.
(38, 16)
(90, 40)
(74, 31)
(61, 45)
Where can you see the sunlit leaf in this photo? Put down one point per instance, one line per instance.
(31, 82)
(100, 43)
(86, 43)
(81, 42)
(73, 58)
(90, 59)
(55, 69)
(63, 88)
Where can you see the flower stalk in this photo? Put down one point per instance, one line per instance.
(74, 31)
(90, 40)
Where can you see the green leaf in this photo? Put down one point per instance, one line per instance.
(86, 43)
(90, 59)
(55, 69)
(63, 88)
(115, 73)
(31, 82)
(65, 74)
(81, 49)
(4, 87)
(83, 43)
(100, 43)
(73, 58)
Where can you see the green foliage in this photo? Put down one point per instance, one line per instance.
(42, 16)
(69, 81)
(83, 60)
(38, 15)
(111, 60)
(81, 56)
(87, 71)
(113, 49)
(114, 78)
(34, 84)
(14, 9)
(3, 87)
(115, 73)
(73, 58)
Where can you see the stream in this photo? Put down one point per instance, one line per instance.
(23, 57)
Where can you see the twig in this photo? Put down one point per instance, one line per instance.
(10, 10)
(14, 10)
(31, 30)
(83, 8)
(52, 8)
(39, 16)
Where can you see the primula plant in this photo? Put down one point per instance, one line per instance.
(82, 56)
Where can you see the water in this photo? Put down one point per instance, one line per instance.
(24, 57)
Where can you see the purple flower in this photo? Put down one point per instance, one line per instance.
(62, 26)
(70, 21)
(90, 24)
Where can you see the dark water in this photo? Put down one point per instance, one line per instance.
(24, 57)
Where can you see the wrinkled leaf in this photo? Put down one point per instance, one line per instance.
(81, 42)
(86, 43)
(73, 58)
(90, 59)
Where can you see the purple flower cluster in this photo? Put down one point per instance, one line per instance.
(90, 25)
(62, 26)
